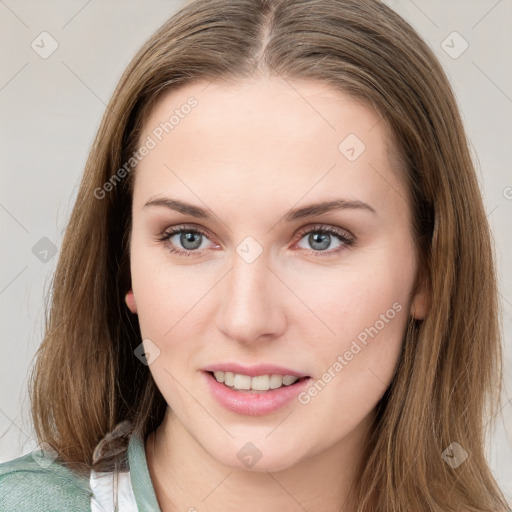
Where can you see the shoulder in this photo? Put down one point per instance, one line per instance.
(38, 482)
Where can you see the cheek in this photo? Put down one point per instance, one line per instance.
(355, 366)
(169, 310)
(343, 302)
(360, 318)
(165, 292)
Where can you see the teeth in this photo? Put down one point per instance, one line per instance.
(259, 383)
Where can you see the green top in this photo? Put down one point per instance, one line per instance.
(38, 482)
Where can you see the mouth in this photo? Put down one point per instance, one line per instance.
(237, 394)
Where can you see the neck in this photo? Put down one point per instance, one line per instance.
(186, 477)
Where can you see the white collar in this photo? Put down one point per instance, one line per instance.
(106, 492)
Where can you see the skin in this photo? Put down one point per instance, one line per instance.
(249, 153)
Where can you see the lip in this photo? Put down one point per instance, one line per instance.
(254, 371)
(254, 404)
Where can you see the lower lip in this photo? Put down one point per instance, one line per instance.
(254, 404)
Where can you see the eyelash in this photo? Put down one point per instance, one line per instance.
(347, 239)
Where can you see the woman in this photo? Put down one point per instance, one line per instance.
(266, 292)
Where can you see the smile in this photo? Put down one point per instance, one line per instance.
(254, 402)
(257, 384)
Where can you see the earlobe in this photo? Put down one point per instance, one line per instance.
(419, 307)
(420, 304)
(130, 301)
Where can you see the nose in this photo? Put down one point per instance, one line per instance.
(250, 302)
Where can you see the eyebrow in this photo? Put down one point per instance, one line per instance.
(294, 214)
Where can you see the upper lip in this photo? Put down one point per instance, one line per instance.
(254, 371)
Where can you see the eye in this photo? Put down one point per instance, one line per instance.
(192, 241)
(320, 238)
(184, 240)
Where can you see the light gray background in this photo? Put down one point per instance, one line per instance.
(51, 108)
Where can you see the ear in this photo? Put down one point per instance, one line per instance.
(420, 305)
(130, 301)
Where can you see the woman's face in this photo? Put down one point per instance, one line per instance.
(253, 278)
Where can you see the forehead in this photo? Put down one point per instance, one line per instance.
(266, 135)
(284, 109)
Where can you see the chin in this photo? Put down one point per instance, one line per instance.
(252, 457)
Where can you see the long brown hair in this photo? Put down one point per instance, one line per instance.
(448, 381)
